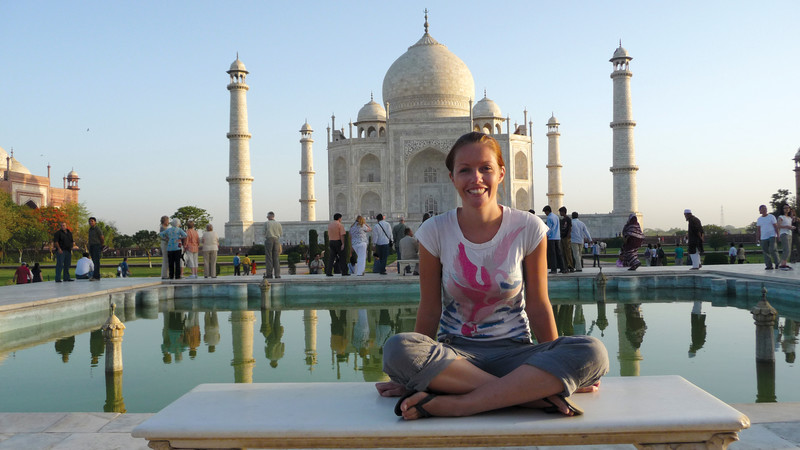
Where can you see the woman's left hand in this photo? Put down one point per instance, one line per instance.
(588, 389)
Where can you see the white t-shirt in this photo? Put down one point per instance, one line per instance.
(766, 223)
(482, 284)
(784, 221)
(84, 266)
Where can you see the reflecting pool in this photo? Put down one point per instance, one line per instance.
(708, 340)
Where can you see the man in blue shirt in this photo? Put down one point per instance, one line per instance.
(555, 260)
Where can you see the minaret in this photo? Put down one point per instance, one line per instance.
(239, 228)
(555, 196)
(307, 200)
(797, 175)
(624, 159)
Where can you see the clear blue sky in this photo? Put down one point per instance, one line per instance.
(716, 95)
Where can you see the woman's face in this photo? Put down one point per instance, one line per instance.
(476, 175)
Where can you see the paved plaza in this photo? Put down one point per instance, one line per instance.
(774, 425)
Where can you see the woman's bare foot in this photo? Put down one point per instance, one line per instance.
(391, 389)
(417, 406)
(562, 405)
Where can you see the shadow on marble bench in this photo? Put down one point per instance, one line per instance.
(650, 412)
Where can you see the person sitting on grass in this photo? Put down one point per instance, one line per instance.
(483, 299)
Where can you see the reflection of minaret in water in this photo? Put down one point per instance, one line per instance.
(64, 347)
(242, 324)
(310, 326)
(96, 346)
(211, 330)
(698, 320)
(602, 318)
(563, 316)
(630, 332)
(790, 332)
(579, 322)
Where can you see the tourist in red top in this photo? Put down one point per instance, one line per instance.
(23, 274)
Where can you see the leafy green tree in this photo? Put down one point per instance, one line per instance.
(123, 241)
(110, 232)
(28, 234)
(200, 216)
(752, 228)
(780, 198)
(715, 236)
(146, 240)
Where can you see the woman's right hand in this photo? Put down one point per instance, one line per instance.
(390, 389)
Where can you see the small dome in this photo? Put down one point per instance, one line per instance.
(486, 108)
(72, 175)
(620, 53)
(306, 127)
(553, 120)
(237, 66)
(372, 112)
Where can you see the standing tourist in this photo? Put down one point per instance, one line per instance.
(596, 254)
(767, 231)
(410, 248)
(678, 255)
(192, 248)
(210, 242)
(63, 242)
(316, 265)
(336, 243)
(648, 255)
(22, 275)
(696, 237)
(164, 225)
(246, 264)
(785, 228)
(555, 260)
(381, 237)
(565, 227)
(96, 241)
(398, 233)
(237, 265)
(272, 246)
(732, 252)
(578, 238)
(741, 256)
(472, 347)
(632, 238)
(359, 241)
(174, 236)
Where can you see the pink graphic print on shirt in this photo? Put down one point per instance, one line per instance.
(476, 299)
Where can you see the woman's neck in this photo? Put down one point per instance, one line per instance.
(480, 225)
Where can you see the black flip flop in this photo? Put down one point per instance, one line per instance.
(422, 412)
(576, 410)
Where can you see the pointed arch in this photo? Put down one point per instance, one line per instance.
(369, 169)
(522, 200)
(370, 204)
(340, 171)
(340, 205)
(520, 166)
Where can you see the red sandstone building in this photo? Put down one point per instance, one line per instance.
(31, 190)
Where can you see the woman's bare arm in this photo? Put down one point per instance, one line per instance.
(537, 301)
(430, 293)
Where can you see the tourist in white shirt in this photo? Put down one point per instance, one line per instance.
(84, 268)
(767, 230)
(578, 236)
(785, 228)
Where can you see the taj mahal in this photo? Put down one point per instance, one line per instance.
(391, 159)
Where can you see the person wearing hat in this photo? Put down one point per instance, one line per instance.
(272, 246)
(696, 237)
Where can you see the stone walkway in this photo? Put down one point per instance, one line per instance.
(774, 425)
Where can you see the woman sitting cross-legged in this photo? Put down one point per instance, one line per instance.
(483, 291)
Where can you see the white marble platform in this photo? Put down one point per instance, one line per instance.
(639, 410)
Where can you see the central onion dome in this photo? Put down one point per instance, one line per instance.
(428, 81)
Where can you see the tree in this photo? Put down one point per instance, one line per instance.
(780, 198)
(752, 228)
(200, 216)
(123, 241)
(146, 240)
(28, 232)
(715, 236)
(109, 231)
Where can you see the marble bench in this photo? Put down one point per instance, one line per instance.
(651, 412)
(403, 263)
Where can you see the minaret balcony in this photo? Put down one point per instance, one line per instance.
(622, 124)
(238, 135)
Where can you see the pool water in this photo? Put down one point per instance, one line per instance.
(709, 343)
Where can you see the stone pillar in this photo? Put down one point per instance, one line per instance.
(310, 326)
(555, 194)
(624, 155)
(242, 339)
(239, 228)
(113, 330)
(307, 200)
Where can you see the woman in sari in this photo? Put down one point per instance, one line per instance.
(632, 239)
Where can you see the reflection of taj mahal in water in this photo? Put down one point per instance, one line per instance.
(391, 159)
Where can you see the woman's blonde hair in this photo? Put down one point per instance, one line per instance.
(360, 220)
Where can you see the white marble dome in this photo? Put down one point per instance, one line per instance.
(237, 66)
(553, 120)
(72, 175)
(372, 112)
(306, 128)
(14, 164)
(428, 81)
(486, 108)
(620, 53)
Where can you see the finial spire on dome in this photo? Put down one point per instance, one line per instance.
(370, 97)
(426, 20)
(620, 42)
(484, 92)
(237, 55)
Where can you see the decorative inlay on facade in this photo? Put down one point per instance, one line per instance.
(413, 146)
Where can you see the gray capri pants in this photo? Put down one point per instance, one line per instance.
(414, 359)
